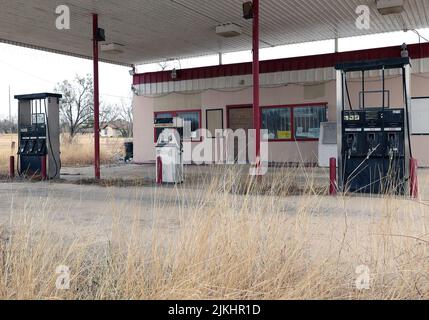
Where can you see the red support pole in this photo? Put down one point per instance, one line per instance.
(256, 106)
(12, 167)
(159, 170)
(96, 99)
(333, 177)
(414, 184)
(44, 170)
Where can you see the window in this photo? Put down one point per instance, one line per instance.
(420, 116)
(278, 123)
(307, 122)
(192, 123)
(293, 122)
(214, 119)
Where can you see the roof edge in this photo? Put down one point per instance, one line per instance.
(416, 51)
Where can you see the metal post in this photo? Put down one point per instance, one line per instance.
(10, 108)
(12, 167)
(96, 99)
(159, 170)
(340, 108)
(414, 185)
(333, 177)
(256, 107)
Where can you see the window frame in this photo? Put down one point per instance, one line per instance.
(292, 107)
(175, 113)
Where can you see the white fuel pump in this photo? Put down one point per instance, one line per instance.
(169, 155)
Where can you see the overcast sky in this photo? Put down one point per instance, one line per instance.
(31, 71)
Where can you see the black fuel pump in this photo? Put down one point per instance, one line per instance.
(374, 142)
(38, 134)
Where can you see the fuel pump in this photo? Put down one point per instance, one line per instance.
(39, 135)
(169, 150)
(374, 147)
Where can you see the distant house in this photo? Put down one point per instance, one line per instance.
(88, 130)
(113, 129)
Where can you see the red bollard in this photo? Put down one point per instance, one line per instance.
(159, 170)
(12, 167)
(414, 184)
(44, 171)
(333, 177)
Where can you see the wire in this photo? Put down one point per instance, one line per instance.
(263, 87)
(348, 92)
(55, 83)
(229, 90)
(420, 36)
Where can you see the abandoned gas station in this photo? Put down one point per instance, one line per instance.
(300, 91)
(290, 98)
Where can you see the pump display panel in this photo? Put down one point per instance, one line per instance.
(373, 150)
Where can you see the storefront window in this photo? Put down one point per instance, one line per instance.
(278, 123)
(192, 123)
(307, 122)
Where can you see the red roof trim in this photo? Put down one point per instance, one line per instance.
(417, 51)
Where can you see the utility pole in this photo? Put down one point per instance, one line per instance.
(10, 107)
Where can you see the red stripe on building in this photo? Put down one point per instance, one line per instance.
(416, 51)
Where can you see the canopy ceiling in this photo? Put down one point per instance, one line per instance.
(156, 30)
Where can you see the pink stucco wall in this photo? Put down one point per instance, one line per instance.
(144, 108)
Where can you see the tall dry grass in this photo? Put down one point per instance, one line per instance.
(8, 147)
(78, 152)
(224, 242)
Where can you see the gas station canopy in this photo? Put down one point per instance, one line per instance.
(155, 30)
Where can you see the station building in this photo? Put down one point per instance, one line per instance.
(297, 94)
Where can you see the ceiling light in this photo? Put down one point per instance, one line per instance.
(386, 7)
(228, 30)
(112, 48)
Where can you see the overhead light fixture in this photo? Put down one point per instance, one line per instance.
(404, 51)
(112, 48)
(228, 30)
(100, 35)
(174, 74)
(248, 10)
(386, 7)
(134, 90)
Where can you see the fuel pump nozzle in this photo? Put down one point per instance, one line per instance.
(351, 141)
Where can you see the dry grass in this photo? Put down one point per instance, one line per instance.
(223, 244)
(6, 150)
(78, 153)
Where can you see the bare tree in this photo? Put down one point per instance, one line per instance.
(126, 115)
(77, 104)
(109, 113)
